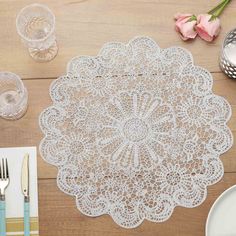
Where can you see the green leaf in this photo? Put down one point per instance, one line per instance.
(213, 17)
(192, 18)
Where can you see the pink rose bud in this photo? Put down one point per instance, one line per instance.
(185, 25)
(207, 29)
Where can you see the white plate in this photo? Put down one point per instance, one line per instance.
(221, 220)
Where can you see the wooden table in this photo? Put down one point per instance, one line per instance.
(82, 28)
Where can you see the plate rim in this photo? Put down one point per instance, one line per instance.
(214, 205)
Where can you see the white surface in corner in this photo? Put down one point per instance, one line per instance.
(222, 216)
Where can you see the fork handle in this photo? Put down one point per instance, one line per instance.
(2, 218)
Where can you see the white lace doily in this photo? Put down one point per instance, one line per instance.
(135, 132)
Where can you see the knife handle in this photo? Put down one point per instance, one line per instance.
(2, 218)
(26, 219)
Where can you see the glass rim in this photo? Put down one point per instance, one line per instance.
(224, 45)
(23, 89)
(37, 5)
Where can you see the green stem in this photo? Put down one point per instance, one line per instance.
(216, 7)
(220, 10)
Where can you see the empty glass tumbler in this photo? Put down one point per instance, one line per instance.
(35, 24)
(13, 96)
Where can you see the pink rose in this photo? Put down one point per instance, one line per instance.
(206, 29)
(185, 25)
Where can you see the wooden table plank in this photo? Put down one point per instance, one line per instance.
(26, 131)
(60, 217)
(84, 26)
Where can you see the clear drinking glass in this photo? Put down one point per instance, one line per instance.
(35, 24)
(13, 96)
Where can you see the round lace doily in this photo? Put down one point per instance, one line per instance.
(135, 132)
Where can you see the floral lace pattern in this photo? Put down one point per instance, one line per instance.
(135, 132)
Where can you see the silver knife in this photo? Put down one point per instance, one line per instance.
(25, 192)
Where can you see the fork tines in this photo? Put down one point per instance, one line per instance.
(4, 174)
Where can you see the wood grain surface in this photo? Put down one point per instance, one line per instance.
(82, 27)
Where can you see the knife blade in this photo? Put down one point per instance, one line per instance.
(25, 177)
(25, 192)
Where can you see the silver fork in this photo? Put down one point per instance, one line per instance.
(4, 182)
